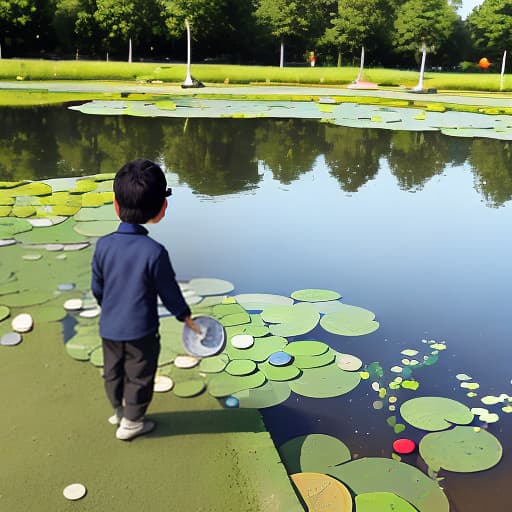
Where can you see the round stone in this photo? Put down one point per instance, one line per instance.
(186, 362)
(73, 304)
(242, 341)
(66, 287)
(231, 402)
(163, 384)
(74, 491)
(280, 359)
(90, 313)
(22, 323)
(404, 446)
(54, 247)
(32, 257)
(10, 339)
(6, 243)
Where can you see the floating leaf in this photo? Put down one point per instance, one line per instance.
(279, 373)
(60, 233)
(209, 286)
(214, 364)
(462, 376)
(260, 351)
(410, 384)
(96, 228)
(461, 449)
(382, 502)
(5, 211)
(31, 189)
(435, 413)
(241, 367)
(223, 384)
(11, 226)
(84, 186)
(189, 388)
(304, 362)
(4, 312)
(313, 453)
(315, 295)
(350, 321)
(260, 301)
(101, 213)
(307, 348)
(325, 382)
(291, 320)
(368, 475)
(270, 394)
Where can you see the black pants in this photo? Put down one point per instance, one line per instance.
(129, 372)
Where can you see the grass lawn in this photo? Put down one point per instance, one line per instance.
(228, 74)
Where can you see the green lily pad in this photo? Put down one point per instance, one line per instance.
(11, 226)
(315, 295)
(461, 449)
(23, 211)
(260, 351)
(5, 312)
(214, 364)
(223, 384)
(304, 362)
(279, 373)
(293, 320)
(325, 382)
(270, 394)
(350, 321)
(306, 348)
(31, 189)
(222, 310)
(189, 388)
(96, 228)
(96, 357)
(313, 453)
(235, 319)
(48, 313)
(241, 367)
(260, 301)
(368, 475)
(60, 233)
(26, 298)
(258, 331)
(331, 306)
(435, 413)
(382, 502)
(209, 286)
(105, 212)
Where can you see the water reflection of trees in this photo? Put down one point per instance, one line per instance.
(220, 156)
(353, 155)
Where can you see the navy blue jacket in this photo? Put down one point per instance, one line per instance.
(129, 271)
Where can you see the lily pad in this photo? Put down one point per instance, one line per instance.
(23, 211)
(325, 382)
(4, 312)
(60, 233)
(31, 189)
(435, 413)
(307, 348)
(368, 475)
(260, 301)
(260, 351)
(96, 357)
(279, 373)
(315, 295)
(461, 449)
(223, 384)
(5, 211)
(209, 286)
(96, 228)
(26, 298)
(350, 321)
(241, 367)
(189, 388)
(83, 186)
(322, 493)
(293, 320)
(382, 502)
(92, 199)
(91, 214)
(270, 394)
(11, 226)
(313, 453)
(214, 364)
(304, 362)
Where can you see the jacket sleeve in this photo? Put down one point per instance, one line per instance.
(97, 278)
(168, 289)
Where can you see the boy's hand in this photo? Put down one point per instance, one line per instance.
(192, 325)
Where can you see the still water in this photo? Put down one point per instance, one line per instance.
(413, 226)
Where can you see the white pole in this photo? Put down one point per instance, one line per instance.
(503, 69)
(130, 50)
(281, 59)
(360, 76)
(419, 87)
(0, 50)
(188, 79)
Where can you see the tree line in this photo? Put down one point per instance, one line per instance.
(255, 31)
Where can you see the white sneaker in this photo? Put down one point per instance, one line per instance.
(115, 419)
(129, 429)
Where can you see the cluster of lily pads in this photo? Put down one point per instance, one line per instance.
(330, 110)
(47, 234)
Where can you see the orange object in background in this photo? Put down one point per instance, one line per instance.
(483, 63)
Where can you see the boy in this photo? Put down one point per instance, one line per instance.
(129, 271)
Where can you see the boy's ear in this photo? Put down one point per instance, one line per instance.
(116, 206)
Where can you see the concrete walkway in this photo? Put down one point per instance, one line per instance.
(483, 99)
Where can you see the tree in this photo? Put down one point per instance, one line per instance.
(356, 24)
(284, 18)
(490, 26)
(423, 22)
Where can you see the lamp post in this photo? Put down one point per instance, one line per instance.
(188, 79)
(503, 69)
(419, 87)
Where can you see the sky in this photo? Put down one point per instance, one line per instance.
(468, 6)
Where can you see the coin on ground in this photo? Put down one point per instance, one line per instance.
(74, 491)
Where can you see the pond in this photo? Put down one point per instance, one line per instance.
(412, 226)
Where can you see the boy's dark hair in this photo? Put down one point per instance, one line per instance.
(140, 189)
